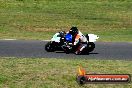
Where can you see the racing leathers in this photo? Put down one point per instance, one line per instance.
(81, 41)
(79, 38)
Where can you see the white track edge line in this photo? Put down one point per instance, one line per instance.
(8, 39)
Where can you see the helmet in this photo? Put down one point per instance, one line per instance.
(62, 33)
(73, 31)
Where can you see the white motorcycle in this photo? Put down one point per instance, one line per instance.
(61, 39)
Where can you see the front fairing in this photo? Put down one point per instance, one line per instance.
(56, 38)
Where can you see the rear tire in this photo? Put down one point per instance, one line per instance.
(49, 47)
(91, 46)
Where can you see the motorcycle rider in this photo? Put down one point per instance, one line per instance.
(78, 39)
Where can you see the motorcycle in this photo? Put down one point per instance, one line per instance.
(63, 42)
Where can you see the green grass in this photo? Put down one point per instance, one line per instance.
(57, 73)
(40, 19)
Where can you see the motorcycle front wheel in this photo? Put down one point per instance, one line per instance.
(49, 47)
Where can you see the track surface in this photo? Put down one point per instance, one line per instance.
(30, 48)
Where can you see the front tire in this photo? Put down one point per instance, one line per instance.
(49, 47)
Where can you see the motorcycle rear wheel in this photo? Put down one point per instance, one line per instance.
(91, 46)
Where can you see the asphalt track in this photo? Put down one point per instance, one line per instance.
(35, 49)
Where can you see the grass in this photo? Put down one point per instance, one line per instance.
(57, 73)
(40, 19)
